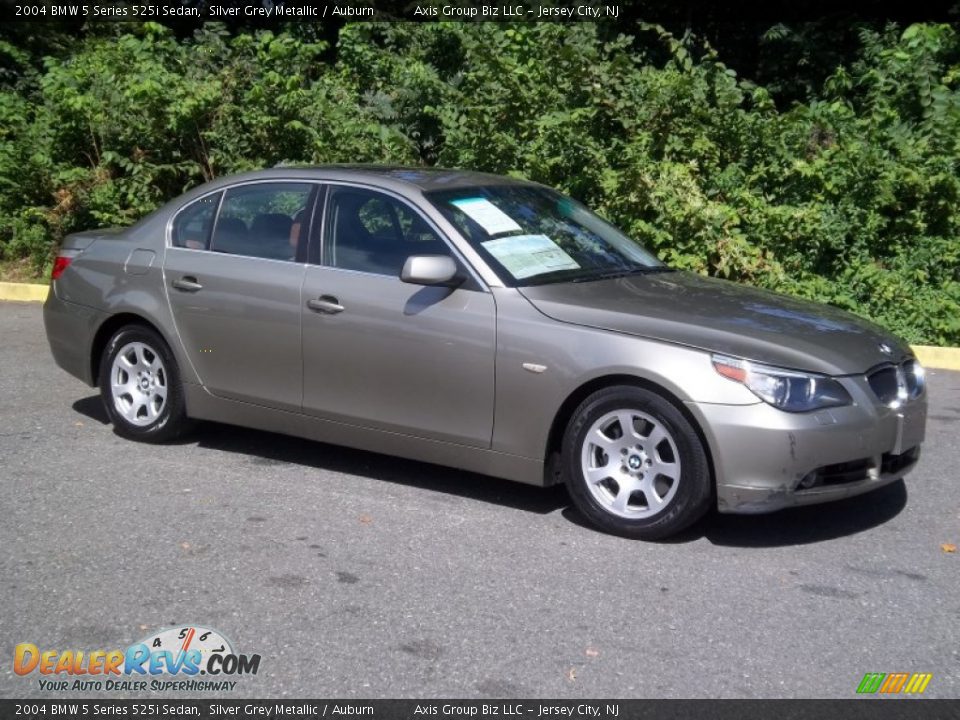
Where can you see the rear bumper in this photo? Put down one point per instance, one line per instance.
(762, 455)
(70, 331)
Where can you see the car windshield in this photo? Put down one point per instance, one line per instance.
(531, 235)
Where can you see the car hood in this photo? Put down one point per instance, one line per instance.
(723, 317)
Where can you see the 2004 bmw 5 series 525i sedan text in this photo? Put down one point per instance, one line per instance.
(483, 323)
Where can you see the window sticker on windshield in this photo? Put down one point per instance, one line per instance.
(528, 255)
(487, 215)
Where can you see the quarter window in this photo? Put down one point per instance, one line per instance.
(191, 228)
(372, 232)
(262, 220)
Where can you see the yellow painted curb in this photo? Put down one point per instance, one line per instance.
(24, 292)
(945, 358)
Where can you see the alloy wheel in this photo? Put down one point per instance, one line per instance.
(138, 383)
(630, 464)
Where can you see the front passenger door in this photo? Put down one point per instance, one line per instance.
(384, 354)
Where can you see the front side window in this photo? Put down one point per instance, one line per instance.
(532, 235)
(262, 220)
(191, 228)
(375, 233)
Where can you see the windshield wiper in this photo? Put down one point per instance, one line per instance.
(623, 272)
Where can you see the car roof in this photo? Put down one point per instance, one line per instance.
(408, 181)
(426, 179)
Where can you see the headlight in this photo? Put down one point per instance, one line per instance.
(914, 377)
(787, 390)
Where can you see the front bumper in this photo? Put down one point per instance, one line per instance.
(761, 455)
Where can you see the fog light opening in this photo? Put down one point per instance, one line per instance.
(811, 479)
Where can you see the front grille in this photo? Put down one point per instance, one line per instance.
(891, 463)
(884, 384)
(896, 384)
(841, 473)
(857, 470)
(836, 474)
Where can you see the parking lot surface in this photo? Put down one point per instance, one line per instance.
(358, 575)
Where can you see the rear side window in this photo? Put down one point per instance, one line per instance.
(263, 220)
(192, 226)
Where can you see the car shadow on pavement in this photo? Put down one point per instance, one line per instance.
(92, 407)
(267, 449)
(804, 525)
(795, 526)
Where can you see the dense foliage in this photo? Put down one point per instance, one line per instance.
(847, 191)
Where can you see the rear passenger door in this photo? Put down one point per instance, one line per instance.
(233, 272)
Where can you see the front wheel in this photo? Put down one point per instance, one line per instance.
(634, 465)
(140, 386)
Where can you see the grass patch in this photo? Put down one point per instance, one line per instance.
(21, 271)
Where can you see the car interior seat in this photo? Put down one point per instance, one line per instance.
(270, 233)
(230, 236)
(351, 248)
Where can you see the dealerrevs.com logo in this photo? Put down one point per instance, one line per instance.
(172, 659)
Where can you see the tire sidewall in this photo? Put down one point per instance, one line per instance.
(171, 419)
(691, 500)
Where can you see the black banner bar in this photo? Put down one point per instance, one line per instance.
(873, 708)
(340, 11)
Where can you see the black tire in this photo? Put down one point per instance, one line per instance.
(693, 493)
(171, 421)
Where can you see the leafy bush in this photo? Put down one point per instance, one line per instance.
(847, 194)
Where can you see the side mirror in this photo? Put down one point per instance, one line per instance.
(430, 270)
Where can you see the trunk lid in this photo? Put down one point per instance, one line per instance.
(82, 240)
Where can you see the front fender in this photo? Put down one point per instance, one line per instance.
(572, 356)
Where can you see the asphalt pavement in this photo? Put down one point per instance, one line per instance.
(358, 575)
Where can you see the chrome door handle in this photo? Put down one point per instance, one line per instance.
(325, 304)
(188, 284)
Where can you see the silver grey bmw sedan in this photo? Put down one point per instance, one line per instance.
(484, 323)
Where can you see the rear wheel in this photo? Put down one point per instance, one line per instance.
(634, 465)
(140, 386)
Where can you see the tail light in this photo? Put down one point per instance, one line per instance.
(59, 265)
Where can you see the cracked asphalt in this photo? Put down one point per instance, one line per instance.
(359, 575)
